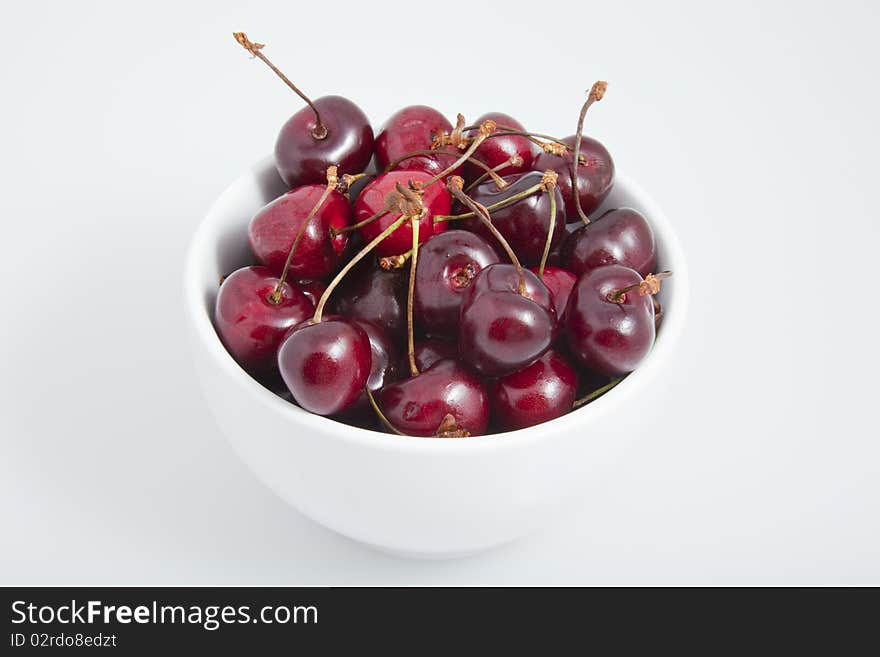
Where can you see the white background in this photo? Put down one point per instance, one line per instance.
(754, 124)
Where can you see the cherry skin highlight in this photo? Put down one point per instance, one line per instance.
(595, 174)
(312, 289)
(618, 237)
(497, 150)
(413, 129)
(419, 406)
(250, 324)
(560, 282)
(429, 350)
(607, 337)
(273, 230)
(373, 295)
(501, 330)
(447, 265)
(524, 223)
(326, 364)
(302, 159)
(544, 390)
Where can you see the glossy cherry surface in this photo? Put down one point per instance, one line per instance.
(524, 223)
(496, 150)
(249, 323)
(372, 200)
(312, 289)
(273, 229)
(325, 365)
(560, 282)
(618, 237)
(374, 295)
(595, 174)
(540, 392)
(418, 406)
(447, 265)
(429, 350)
(501, 330)
(385, 368)
(608, 337)
(302, 159)
(411, 129)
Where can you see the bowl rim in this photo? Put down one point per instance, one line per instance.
(579, 419)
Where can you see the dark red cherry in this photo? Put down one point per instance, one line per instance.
(273, 230)
(250, 323)
(429, 350)
(540, 392)
(421, 406)
(618, 237)
(496, 150)
(595, 175)
(560, 282)
(413, 129)
(500, 330)
(325, 365)
(373, 295)
(447, 264)
(372, 200)
(312, 289)
(302, 158)
(607, 336)
(385, 368)
(524, 223)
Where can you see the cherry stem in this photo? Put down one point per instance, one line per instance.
(486, 128)
(347, 229)
(534, 137)
(455, 185)
(384, 420)
(503, 203)
(332, 180)
(390, 263)
(320, 130)
(649, 286)
(598, 392)
(550, 230)
(319, 309)
(410, 298)
(515, 161)
(595, 95)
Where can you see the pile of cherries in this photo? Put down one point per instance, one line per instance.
(461, 290)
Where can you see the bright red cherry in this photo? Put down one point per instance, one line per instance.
(524, 223)
(273, 229)
(595, 174)
(540, 392)
(373, 295)
(501, 330)
(325, 364)
(445, 400)
(497, 150)
(429, 350)
(560, 282)
(447, 264)
(251, 323)
(414, 129)
(618, 237)
(372, 201)
(606, 330)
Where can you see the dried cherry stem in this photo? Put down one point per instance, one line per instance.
(347, 229)
(486, 128)
(410, 298)
(515, 161)
(384, 420)
(332, 181)
(390, 263)
(534, 137)
(320, 130)
(510, 200)
(319, 309)
(549, 185)
(597, 92)
(348, 180)
(598, 392)
(448, 428)
(650, 285)
(455, 186)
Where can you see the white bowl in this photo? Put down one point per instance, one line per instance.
(421, 497)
